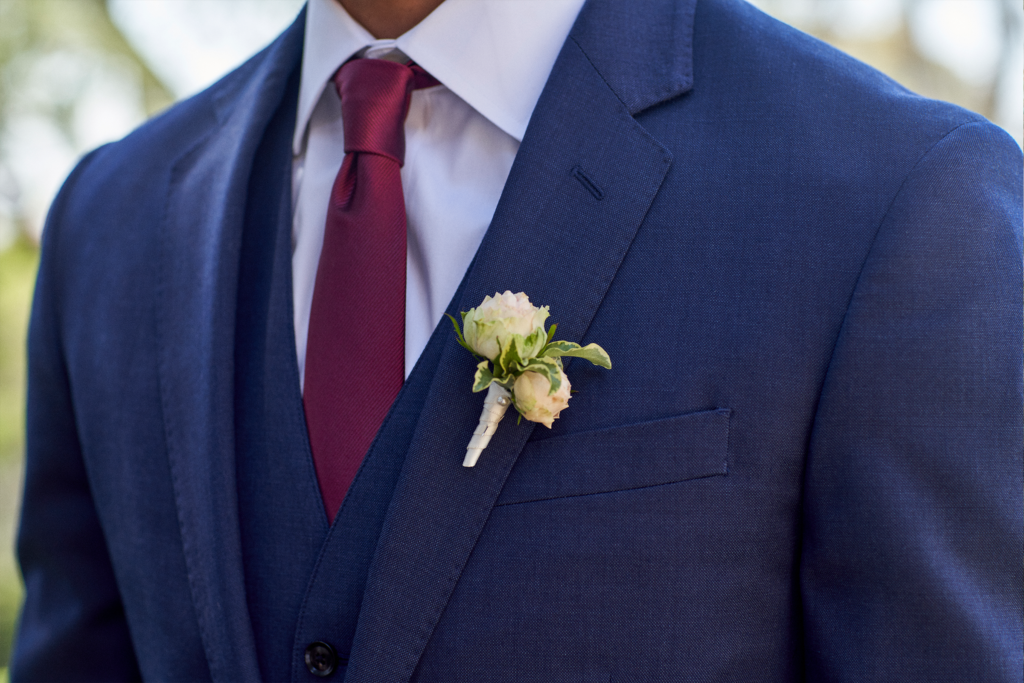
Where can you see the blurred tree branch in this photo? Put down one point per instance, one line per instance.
(30, 32)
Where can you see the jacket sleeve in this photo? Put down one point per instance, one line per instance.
(72, 625)
(912, 530)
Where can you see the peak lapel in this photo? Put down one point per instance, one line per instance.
(581, 184)
(200, 245)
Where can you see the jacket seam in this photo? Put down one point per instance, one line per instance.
(800, 528)
(625, 489)
(839, 335)
(598, 72)
(867, 257)
(51, 243)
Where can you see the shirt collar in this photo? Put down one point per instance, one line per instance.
(494, 54)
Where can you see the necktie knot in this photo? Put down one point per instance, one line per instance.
(374, 103)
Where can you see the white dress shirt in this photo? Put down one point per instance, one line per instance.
(493, 58)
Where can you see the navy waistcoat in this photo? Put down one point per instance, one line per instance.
(291, 601)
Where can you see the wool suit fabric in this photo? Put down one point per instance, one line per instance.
(805, 463)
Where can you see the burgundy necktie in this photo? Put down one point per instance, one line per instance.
(355, 354)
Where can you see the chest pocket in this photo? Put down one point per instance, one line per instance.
(664, 451)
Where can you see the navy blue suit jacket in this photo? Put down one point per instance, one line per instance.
(804, 464)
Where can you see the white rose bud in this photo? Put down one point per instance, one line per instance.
(499, 317)
(532, 399)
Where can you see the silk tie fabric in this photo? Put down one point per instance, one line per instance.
(355, 356)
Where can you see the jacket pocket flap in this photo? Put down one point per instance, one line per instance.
(664, 451)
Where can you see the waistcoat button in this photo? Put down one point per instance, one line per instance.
(321, 659)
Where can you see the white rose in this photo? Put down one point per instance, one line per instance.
(532, 399)
(499, 317)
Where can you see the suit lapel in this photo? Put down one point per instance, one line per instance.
(201, 241)
(580, 187)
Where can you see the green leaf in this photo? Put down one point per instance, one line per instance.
(531, 345)
(508, 356)
(559, 348)
(551, 332)
(550, 368)
(458, 332)
(591, 352)
(462, 339)
(483, 377)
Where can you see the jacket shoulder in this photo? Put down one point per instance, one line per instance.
(757, 64)
(152, 148)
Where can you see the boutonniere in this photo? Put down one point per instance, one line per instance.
(521, 363)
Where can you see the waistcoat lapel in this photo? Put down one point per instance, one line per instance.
(581, 184)
(331, 606)
(281, 516)
(200, 247)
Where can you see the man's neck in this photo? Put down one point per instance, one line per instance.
(389, 18)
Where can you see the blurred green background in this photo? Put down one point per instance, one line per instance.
(77, 73)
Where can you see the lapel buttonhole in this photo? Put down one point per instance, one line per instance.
(586, 181)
